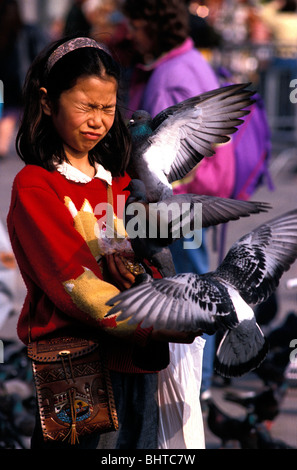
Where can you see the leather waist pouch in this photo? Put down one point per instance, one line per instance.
(73, 387)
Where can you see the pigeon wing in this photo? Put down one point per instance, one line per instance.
(185, 302)
(177, 216)
(217, 210)
(185, 133)
(256, 262)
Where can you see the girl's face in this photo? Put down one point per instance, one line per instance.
(85, 114)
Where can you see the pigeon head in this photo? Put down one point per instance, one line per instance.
(140, 125)
(139, 117)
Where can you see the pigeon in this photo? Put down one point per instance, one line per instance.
(167, 147)
(267, 311)
(282, 335)
(247, 430)
(273, 369)
(265, 441)
(229, 428)
(264, 404)
(161, 223)
(220, 299)
(270, 372)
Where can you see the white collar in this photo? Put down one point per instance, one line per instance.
(73, 174)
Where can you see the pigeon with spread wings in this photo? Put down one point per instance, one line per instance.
(167, 147)
(161, 223)
(221, 299)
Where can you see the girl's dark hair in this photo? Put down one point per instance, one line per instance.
(167, 21)
(37, 141)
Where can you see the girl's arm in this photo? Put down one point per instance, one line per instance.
(56, 261)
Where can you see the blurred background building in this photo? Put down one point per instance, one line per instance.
(250, 39)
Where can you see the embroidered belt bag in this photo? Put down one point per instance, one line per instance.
(73, 387)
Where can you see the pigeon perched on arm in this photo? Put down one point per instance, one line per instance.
(165, 149)
(221, 299)
(161, 223)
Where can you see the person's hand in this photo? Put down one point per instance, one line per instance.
(171, 336)
(121, 276)
(124, 279)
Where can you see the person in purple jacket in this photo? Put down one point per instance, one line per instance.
(170, 70)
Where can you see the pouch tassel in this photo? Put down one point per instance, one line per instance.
(72, 434)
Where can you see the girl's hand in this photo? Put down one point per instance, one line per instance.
(122, 277)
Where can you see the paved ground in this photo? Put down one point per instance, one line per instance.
(282, 199)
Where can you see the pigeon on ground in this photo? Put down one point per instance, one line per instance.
(153, 226)
(229, 428)
(267, 311)
(250, 272)
(282, 335)
(247, 431)
(273, 369)
(270, 371)
(167, 147)
(265, 441)
(264, 404)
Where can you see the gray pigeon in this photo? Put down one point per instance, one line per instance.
(221, 299)
(160, 224)
(167, 147)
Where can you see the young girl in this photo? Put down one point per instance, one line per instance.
(76, 149)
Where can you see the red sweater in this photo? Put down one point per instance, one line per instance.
(54, 235)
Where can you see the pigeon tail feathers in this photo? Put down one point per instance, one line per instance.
(241, 350)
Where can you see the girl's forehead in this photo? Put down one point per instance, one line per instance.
(95, 81)
(95, 86)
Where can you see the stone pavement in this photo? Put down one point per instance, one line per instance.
(282, 199)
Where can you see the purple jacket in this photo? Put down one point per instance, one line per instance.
(174, 77)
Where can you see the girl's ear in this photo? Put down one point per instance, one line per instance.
(44, 101)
